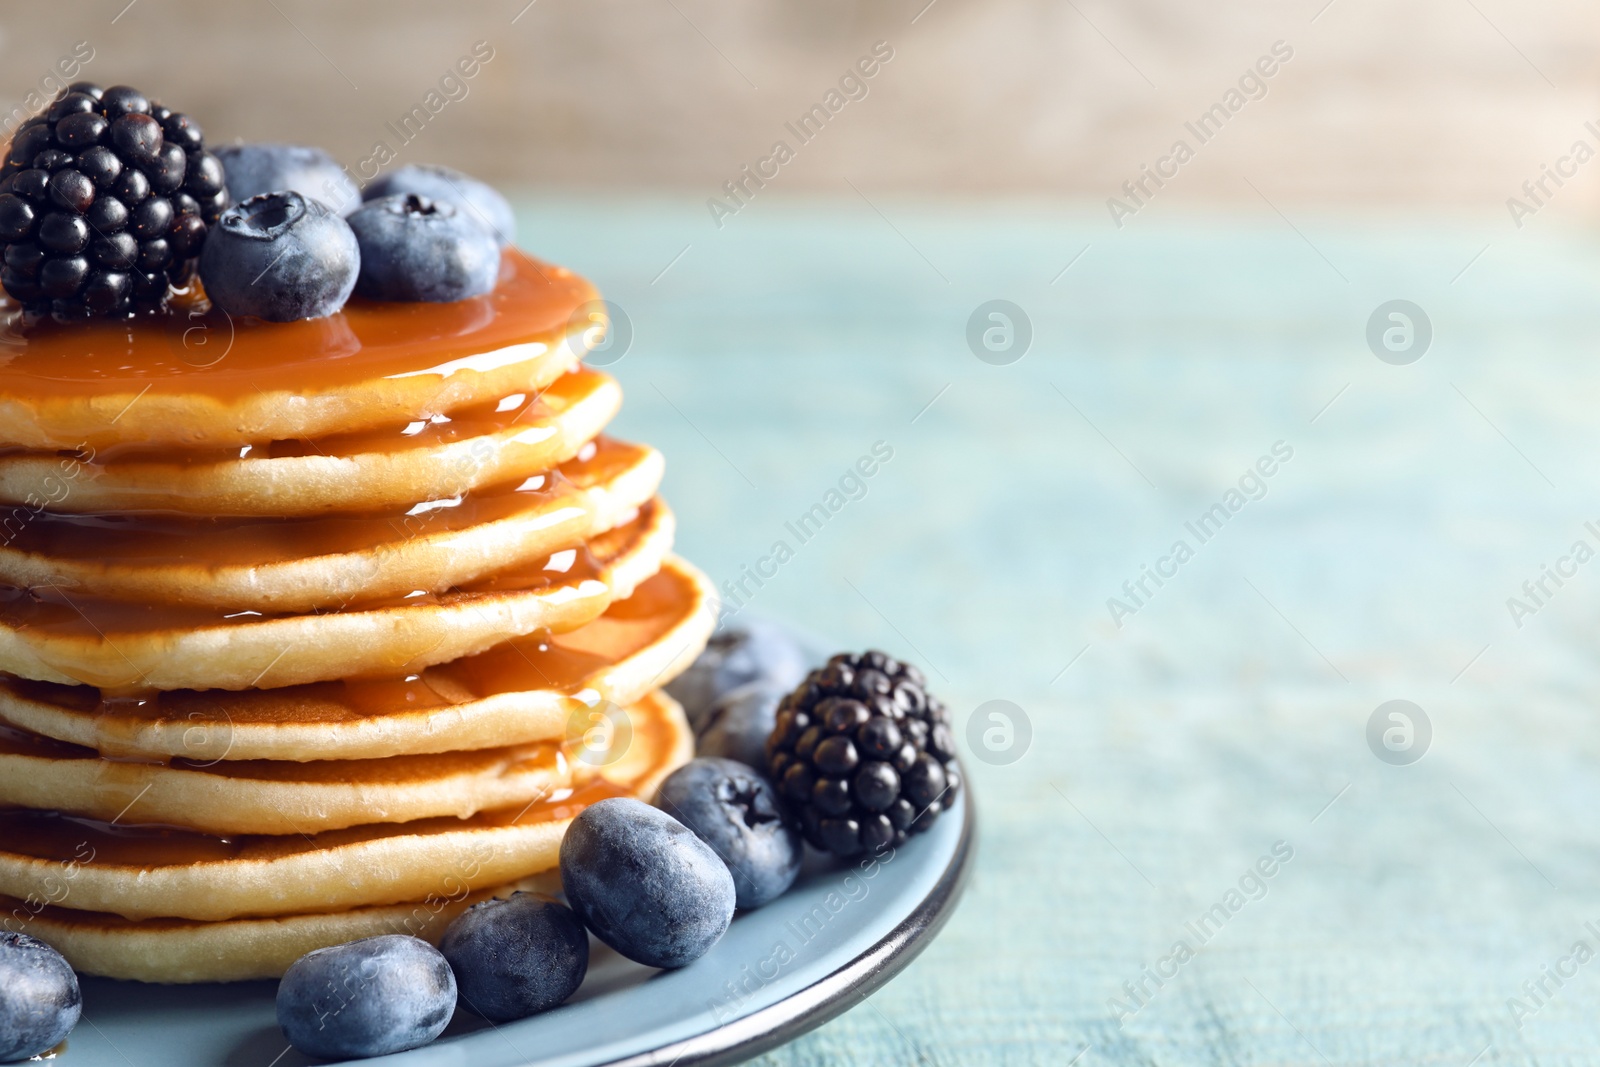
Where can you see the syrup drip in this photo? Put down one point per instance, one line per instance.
(529, 413)
(201, 542)
(542, 756)
(565, 663)
(58, 837)
(64, 613)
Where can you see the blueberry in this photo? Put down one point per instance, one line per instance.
(734, 810)
(739, 722)
(280, 256)
(757, 651)
(39, 998)
(253, 169)
(517, 957)
(367, 998)
(472, 198)
(413, 248)
(644, 883)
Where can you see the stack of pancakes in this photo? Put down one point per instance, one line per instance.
(321, 630)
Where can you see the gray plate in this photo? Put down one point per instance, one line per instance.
(820, 949)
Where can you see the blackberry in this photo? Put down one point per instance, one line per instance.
(863, 754)
(105, 199)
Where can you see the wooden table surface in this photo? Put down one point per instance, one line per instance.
(1430, 912)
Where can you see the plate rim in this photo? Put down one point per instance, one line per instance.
(838, 991)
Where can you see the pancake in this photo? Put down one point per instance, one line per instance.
(183, 951)
(527, 689)
(274, 796)
(127, 645)
(395, 466)
(196, 381)
(300, 565)
(144, 872)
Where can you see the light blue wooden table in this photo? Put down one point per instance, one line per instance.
(1228, 714)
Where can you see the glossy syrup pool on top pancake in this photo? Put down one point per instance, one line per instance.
(533, 302)
(146, 383)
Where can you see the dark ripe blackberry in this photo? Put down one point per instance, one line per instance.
(122, 100)
(181, 130)
(808, 742)
(836, 756)
(186, 235)
(105, 202)
(100, 164)
(842, 716)
(166, 174)
(63, 234)
(62, 276)
(204, 177)
(831, 796)
(26, 258)
(876, 832)
(32, 183)
(154, 254)
(149, 287)
(106, 291)
(212, 207)
(924, 782)
(17, 217)
(52, 159)
(22, 287)
(70, 104)
(132, 187)
(137, 139)
(107, 215)
(72, 190)
(876, 786)
(116, 251)
(81, 130)
(151, 218)
(916, 732)
(29, 142)
(879, 737)
(863, 753)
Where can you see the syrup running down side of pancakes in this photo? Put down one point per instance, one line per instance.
(325, 635)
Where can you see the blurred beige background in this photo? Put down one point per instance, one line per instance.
(1389, 104)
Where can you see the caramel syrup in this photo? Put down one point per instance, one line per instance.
(69, 614)
(54, 836)
(533, 304)
(134, 540)
(531, 415)
(546, 756)
(564, 663)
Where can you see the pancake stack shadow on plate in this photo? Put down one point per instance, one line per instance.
(328, 637)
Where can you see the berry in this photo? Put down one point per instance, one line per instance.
(863, 754)
(759, 651)
(514, 958)
(280, 257)
(39, 998)
(253, 169)
(97, 164)
(734, 810)
(366, 998)
(473, 199)
(644, 884)
(738, 723)
(413, 248)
